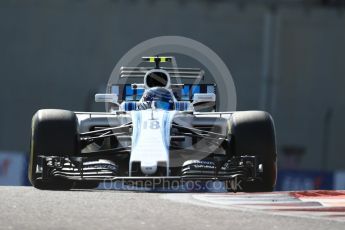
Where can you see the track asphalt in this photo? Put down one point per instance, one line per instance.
(29, 208)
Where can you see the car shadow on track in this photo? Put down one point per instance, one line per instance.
(214, 187)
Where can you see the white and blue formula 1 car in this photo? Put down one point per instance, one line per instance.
(153, 131)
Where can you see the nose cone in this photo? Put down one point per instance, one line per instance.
(148, 168)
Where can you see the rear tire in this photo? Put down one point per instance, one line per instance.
(254, 134)
(54, 133)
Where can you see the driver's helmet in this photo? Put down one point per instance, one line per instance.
(157, 97)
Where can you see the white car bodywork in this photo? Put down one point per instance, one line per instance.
(150, 139)
(151, 126)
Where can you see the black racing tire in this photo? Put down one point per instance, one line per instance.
(54, 133)
(253, 133)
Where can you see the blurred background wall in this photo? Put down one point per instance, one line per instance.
(286, 57)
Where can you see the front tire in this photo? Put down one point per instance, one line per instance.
(54, 133)
(253, 133)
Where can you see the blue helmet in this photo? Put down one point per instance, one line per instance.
(162, 98)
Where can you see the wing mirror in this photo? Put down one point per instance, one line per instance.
(204, 101)
(108, 98)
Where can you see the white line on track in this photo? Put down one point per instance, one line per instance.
(330, 207)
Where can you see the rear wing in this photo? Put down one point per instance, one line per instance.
(139, 72)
